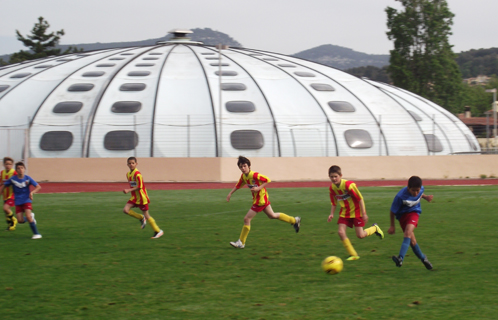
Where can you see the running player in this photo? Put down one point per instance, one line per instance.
(139, 198)
(8, 193)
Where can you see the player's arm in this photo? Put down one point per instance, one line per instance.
(125, 191)
(392, 228)
(35, 190)
(363, 210)
(428, 198)
(332, 210)
(258, 188)
(231, 192)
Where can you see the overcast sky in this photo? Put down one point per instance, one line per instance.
(281, 26)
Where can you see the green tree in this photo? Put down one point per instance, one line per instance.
(422, 60)
(40, 43)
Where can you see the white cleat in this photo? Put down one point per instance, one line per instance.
(158, 234)
(237, 244)
(36, 236)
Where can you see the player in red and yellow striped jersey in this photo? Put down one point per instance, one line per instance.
(353, 211)
(8, 193)
(260, 201)
(139, 198)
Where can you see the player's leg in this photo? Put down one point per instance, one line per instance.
(32, 223)
(407, 233)
(294, 221)
(157, 231)
(245, 230)
(353, 255)
(418, 252)
(9, 216)
(127, 210)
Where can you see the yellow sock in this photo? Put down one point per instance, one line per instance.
(153, 224)
(135, 215)
(286, 218)
(9, 216)
(347, 244)
(244, 233)
(370, 230)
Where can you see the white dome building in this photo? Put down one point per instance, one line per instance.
(164, 101)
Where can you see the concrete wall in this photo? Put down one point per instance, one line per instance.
(278, 169)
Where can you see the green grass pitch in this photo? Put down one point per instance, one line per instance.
(94, 262)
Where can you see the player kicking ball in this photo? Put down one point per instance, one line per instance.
(139, 198)
(260, 200)
(23, 197)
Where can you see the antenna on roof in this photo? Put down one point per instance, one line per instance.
(180, 36)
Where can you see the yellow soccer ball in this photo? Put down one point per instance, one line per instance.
(332, 265)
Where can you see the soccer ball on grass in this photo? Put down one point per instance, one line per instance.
(332, 265)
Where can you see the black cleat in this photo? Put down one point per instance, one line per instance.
(427, 263)
(398, 260)
(297, 225)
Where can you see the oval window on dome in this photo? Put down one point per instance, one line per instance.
(207, 53)
(415, 115)
(358, 138)
(322, 87)
(64, 60)
(433, 143)
(132, 87)
(286, 65)
(116, 58)
(105, 65)
(341, 106)
(68, 107)
(233, 87)
(43, 66)
(20, 75)
(126, 54)
(92, 74)
(155, 53)
(121, 140)
(79, 87)
(270, 59)
(56, 140)
(218, 64)
(138, 73)
(150, 58)
(126, 107)
(212, 58)
(145, 64)
(3, 87)
(247, 139)
(226, 73)
(304, 74)
(240, 106)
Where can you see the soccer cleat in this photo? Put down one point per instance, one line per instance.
(237, 244)
(143, 222)
(398, 260)
(158, 234)
(378, 232)
(36, 236)
(351, 258)
(426, 263)
(297, 225)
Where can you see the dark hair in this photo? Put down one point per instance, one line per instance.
(243, 160)
(131, 158)
(20, 163)
(414, 182)
(335, 169)
(8, 159)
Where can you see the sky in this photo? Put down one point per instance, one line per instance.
(280, 26)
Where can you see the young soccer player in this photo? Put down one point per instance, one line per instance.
(353, 212)
(139, 198)
(406, 208)
(23, 196)
(8, 193)
(257, 183)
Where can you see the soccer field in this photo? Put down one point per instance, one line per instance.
(94, 262)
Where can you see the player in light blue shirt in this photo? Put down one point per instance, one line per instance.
(406, 208)
(23, 196)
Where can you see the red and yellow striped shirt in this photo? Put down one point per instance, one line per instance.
(348, 196)
(253, 179)
(140, 195)
(8, 192)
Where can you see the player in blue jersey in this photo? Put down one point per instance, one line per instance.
(23, 196)
(406, 208)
